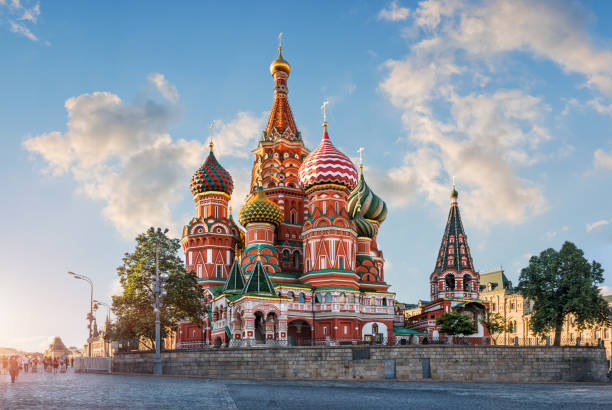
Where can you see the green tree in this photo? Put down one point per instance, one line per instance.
(455, 323)
(495, 324)
(562, 283)
(133, 309)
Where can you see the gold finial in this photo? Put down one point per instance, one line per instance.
(280, 64)
(280, 41)
(259, 178)
(236, 254)
(324, 108)
(258, 253)
(210, 138)
(230, 210)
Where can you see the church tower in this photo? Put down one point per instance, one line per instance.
(330, 240)
(278, 157)
(454, 275)
(210, 237)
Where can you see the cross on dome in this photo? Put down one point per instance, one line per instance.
(210, 137)
(324, 108)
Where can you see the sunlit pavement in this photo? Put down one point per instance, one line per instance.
(54, 391)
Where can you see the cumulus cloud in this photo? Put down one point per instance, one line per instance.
(394, 12)
(22, 30)
(123, 155)
(485, 137)
(166, 89)
(597, 224)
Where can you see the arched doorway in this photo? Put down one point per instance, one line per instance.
(260, 328)
(299, 333)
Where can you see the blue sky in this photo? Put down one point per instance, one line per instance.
(105, 112)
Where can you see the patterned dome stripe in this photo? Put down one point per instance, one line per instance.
(327, 164)
(211, 177)
(372, 207)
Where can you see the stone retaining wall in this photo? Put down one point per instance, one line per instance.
(450, 363)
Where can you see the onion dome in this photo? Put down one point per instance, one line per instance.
(260, 209)
(372, 207)
(454, 193)
(280, 64)
(327, 165)
(365, 228)
(211, 177)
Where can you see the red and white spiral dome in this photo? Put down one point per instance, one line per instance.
(327, 165)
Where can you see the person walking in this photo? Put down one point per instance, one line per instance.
(55, 365)
(13, 368)
(26, 364)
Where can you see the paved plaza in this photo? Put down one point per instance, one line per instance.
(77, 391)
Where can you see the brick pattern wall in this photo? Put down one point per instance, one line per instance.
(456, 363)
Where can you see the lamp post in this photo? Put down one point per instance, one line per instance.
(90, 317)
(159, 292)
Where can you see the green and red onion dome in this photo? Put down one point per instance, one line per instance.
(260, 209)
(372, 206)
(365, 228)
(327, 165)
(211, 177)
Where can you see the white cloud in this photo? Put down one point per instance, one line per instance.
(394, 13)
(122, 154)
(605, 290)
(22, 30)
(600, 107)
(484, 137)
(597, 224)
(28, 14)
(166, 89)
(602, 159)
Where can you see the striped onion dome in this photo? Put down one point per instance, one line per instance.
(327, 165)
(365, 228)
(211, 176)
(260, 209)
(372, 207)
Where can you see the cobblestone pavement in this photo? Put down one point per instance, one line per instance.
(78, 391)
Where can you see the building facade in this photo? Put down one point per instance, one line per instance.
(306, 269)
(515, 310)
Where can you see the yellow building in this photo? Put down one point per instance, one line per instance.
(497, 290)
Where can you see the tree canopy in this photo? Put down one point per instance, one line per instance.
(134, 310)
(560, 283)
(495, 324)
(455, 323)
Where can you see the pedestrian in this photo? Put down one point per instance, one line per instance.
(26, 364)
(71, 361)
(13, 368)
(55, 365)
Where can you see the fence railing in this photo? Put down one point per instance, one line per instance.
(92, 364)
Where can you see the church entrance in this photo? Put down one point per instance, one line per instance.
(299, 333)
(260, 328)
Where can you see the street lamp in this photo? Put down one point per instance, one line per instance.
(159, 292)
(90, 317)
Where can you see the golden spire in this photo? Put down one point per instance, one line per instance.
(360, 151)
(258, 253)
(324, 108)
(210, 138)
(280, 64)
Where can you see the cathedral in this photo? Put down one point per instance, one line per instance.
(306, 269)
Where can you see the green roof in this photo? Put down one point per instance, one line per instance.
(404, 331)
(216, 290)
(259, 282)
(235, 279)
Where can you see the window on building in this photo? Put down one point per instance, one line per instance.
(296, 260)
(324, 207)
(199, 271)
(384, 302)
(290, 295)
(318, 298)
(451, 261)
(341, 298)
(216, 212)
(328, 298)
(341, 263)
(293, 216)
(494, 307)
(350, 298)
(372, 301)
(467, 283)
(219, 271)
(324, 330)
(322, 263)
(512, 306)
(190, 258)
(375, 328)
(345, 330)
(451, 239)
(209, 258)
(301, 298)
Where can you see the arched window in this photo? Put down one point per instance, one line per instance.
(372, 301)
(450, 281)
(301, 298)
(350, 298)
(451, 261)
(285, 255)
(342, 298)
(324, 207)
(290, 295)
(296, 260)
(384, 302)
(318, 298)
(375, 328)
(328, 298)
(293, 217)
(219, 271)
(467, 283)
